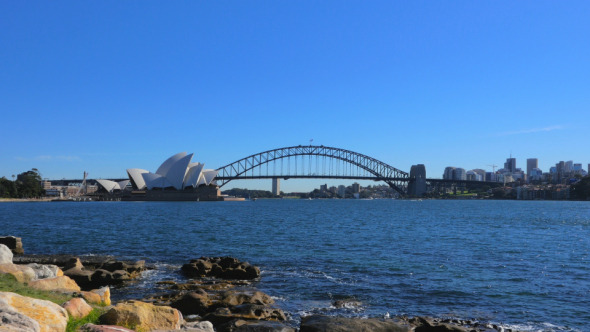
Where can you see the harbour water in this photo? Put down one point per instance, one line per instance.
(524, 265)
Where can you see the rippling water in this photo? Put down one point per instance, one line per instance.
(523, 264)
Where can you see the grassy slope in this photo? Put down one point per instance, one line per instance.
(8, 283)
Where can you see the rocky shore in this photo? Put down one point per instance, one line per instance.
(219, 295)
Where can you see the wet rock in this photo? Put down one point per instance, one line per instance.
(62, 284)
(245, 312)
(13, 243)
(193, 303)
(254, 326)
(77, 308)
(43, 271)
(49, 316)
(347, 303)
(429, 325)
(233, 298)
(319, 323)
(81, 276)
(140, 315)
(221, 267)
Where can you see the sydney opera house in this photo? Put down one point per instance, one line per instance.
(177, 179)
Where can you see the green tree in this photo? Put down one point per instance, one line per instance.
(29, 184)
(7, 188)
(581, 189)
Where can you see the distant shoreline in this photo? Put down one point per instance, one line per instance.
(11, 200)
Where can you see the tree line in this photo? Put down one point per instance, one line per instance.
(27, 185)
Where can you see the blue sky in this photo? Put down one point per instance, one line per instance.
(103, 86)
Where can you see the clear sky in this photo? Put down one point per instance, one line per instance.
(102, 86)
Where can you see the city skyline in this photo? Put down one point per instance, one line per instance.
(101, 87)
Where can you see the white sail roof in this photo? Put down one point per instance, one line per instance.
(209, 175)
(153, 180)
(166, 165)
(135, 175)
(108, 185)
(177, 171)
(192, 174)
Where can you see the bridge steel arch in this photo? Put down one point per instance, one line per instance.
(381, 171)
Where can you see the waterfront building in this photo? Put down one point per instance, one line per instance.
(459, 174)
(342, 191)
(324, 187)
(481, 173)
(356, 188)
(177, 179)
(490, 177)
(448, 174)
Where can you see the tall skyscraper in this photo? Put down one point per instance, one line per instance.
(531, 163)
(510, 164)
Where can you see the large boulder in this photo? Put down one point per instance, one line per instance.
(233, 298)
(423, 324)
(81, 276)
(221, 267)
(77, 308)
(245, 312)
(203, 326)
(43, 271)
(140, 315)
(101, 296)
(50, 316)
(254, 326)
(318, 323)
(193, 327)
(193, 303)
(62, 284)
(12, 320)
(5, 255)
(13, 243)
(22, 273)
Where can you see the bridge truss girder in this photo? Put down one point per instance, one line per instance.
(380, 171)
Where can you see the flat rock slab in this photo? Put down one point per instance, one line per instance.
(319, 323)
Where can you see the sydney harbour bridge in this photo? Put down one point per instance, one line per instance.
(323, 162)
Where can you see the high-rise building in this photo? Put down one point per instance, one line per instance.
(342, 191)
(569, 166)
(530, 164)
(356, 188)
(459, 174)
(510, 164)
(448, 174)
